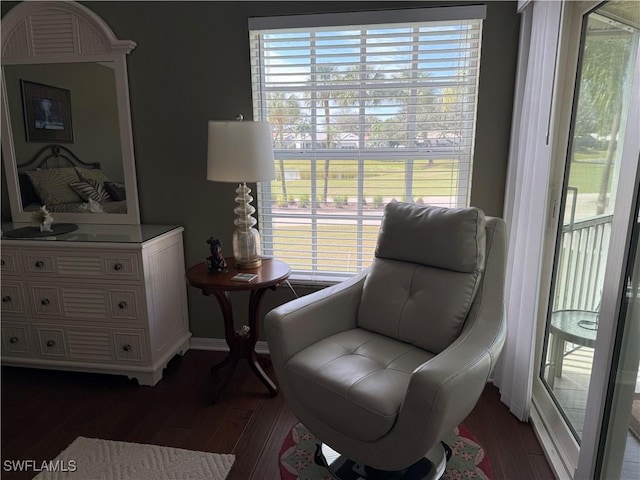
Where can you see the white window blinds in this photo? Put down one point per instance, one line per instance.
(361, 114)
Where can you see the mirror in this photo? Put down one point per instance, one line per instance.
(66, 127)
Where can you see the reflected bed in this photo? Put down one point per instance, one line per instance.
(57, 178)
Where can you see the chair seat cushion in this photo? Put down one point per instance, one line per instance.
(355, 380)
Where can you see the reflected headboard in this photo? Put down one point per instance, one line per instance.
(54, 156)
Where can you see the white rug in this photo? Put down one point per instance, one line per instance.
(95, 459)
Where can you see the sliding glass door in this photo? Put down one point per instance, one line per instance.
(619, 447)
(596, 213)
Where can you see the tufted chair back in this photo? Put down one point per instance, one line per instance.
(428, 265)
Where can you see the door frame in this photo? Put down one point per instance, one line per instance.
(562, 448)
(624, 218)
(571, 459)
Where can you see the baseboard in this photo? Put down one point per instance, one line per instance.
(220, 345)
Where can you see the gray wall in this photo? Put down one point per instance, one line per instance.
(191, 65)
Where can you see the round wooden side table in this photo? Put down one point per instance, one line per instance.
(241, 342)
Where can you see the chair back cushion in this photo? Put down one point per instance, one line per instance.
(429, 262)
(448, 238)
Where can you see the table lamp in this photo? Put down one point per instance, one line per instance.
(241, 152)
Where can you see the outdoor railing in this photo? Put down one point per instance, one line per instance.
(583, 256)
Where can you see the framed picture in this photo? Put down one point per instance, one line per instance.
(47, 113)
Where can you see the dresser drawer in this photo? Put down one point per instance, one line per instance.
(45, 300)
(12, 298)
(105, 345)
(124, 303)
(16, 339)
(36, 263)
(129, 347)
(95, 265)
(51, 342)
(123, 266)
(86, 303)
(10, 262)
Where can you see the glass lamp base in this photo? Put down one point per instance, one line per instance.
(246, 248)
(248, 263)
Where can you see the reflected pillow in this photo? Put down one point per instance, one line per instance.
(90, 189)
(27, 192)
(92, 174)
(116, 191)
(52, 185)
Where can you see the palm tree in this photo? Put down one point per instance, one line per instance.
(603, 74)
(284, 111)
(326, 76)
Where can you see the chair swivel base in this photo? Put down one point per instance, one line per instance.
(430, 467)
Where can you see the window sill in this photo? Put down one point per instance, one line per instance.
(315, 281)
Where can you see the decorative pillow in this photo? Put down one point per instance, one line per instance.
(116, 191)
(52, 185)
(92, 174)
(90, 189)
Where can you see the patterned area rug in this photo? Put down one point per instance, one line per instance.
(468, 460)
(92, 458)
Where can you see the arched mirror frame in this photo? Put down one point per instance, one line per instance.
(86, 38)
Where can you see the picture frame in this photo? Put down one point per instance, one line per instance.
(47, 113)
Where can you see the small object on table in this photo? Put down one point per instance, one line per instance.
(42, 218)
(216, 263)
(241, 342)
(244, 277)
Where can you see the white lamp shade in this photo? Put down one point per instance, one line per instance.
(240, 152)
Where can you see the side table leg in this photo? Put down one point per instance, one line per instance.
(254, 363)
(231, 360)
(255, 299)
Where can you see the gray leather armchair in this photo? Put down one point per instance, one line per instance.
(382, 366)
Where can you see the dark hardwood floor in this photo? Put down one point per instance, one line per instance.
(44, 411)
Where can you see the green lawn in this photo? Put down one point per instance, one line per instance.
(387, 178)
(383, 179)
(586, 172)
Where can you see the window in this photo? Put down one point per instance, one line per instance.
(364, 108)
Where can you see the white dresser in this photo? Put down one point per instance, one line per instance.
(104, 298)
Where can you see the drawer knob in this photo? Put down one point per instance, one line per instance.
(126, 347)
(51, 343)
(45, 301)
(117, 266)
(6, 298)
(39, 264)
(122, 305)
(13, 340)
(2, 262)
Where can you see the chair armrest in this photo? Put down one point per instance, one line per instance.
(444, 390)
(304, 321)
